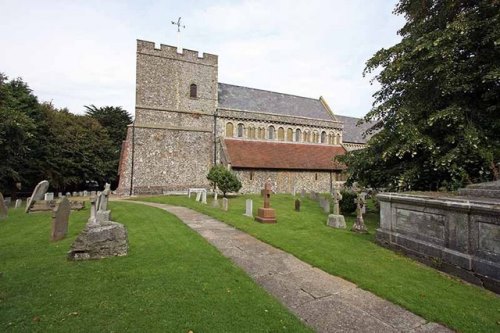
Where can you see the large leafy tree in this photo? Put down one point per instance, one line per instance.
(437, 114)
(113, 118)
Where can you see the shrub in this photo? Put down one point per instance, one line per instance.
(224, 179)
(347, 204)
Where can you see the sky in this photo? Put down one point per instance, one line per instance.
(76, 53)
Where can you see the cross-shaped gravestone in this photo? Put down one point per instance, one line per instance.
(359, 225)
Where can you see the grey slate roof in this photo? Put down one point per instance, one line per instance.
(353, 133)
(250, 99)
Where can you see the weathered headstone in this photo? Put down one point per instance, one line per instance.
(225, 204)
(297, 205)
(49, 196)
(68, 194)
(249, 208)
(303, 193)
(8, 201)
(336, 220)
(198, 196)
(266, 214)
(326, 206)
(359, 225)
(3, 208)
(204, 197)
(38, 194)
(60, 219)
(80, 193)
(75, 194)
(59, 195)
(85, 193)
(19, 203)
(294, 191)
(101, 237)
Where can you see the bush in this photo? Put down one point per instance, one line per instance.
(347, 204)
(224, 179)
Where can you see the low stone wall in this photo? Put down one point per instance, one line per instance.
(457, 235)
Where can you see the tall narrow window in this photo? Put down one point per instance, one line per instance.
(323, 137)
(339, 141)
(271, 132)
(281, 134)
(297, 135)
(193, 91)
(240, 130)
(289, 134)
(229, 130)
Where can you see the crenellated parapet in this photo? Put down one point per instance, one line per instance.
(171, 52)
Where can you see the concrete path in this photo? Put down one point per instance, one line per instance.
(325, 302)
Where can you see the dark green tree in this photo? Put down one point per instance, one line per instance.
(437, 114)
(113, 118)
(224, 179)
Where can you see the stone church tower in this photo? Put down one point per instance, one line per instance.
(170, 145)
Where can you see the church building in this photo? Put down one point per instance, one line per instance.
(186, 122)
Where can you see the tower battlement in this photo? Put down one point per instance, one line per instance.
(168, 51)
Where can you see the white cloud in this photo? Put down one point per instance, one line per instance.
(83, 52)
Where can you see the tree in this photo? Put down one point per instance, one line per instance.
(114, 119)
(224, 179)
(437, 114)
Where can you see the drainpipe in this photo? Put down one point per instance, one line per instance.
(132, 162)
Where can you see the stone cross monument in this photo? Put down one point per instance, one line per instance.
(336, 220)
(266, 214)
(359, 225)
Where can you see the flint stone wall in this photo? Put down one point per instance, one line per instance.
(459, 236)
(283, 181)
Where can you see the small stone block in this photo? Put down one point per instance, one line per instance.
(336, 221)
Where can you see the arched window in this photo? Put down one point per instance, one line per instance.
(330, 139)
(240, 130)
(261, 133)
(297, 135)
(193, 91)
(315, 138)
(229, 130)
(289, 134)
(251, 133)
(307, 136)
(281, 134)
(271, 133)
(323, 137)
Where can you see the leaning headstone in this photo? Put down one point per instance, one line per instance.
(225, 204)
(3, 208)
(204, 197)
(60, 219)
(359, 225)
(297, 205)
(336, 220)
(49, 196)
(38, 194)
(249, 208)
(19, 203)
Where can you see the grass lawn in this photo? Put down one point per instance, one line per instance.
(171, 281)
(355, 257)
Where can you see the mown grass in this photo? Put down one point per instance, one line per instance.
(356, 257)
(171, 281)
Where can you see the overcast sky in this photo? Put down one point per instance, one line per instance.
(76, 53)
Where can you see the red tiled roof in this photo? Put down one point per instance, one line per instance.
(281, 155)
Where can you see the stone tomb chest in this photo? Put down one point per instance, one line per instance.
(459, 235)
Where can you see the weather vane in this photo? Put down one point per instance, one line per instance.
(179, 26)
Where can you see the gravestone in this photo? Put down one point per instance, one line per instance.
(336, 220)
(3, 208)
(303, 193)
(101, 237)
(8, 201)
(38, 194)
(60, 219)
(249, 208)
(49, 196)
(225, 204)
(204, 197)
(266, 214)
(297, 205)
(359, 225)
(19, 203)
(75, 194)
(93, 193)
(85, 193)
(198, 196)
(363, 197)
(294, 191)
(215, 202)
(326, 206)
(68, 194)
(59, 195)
(80, 193)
